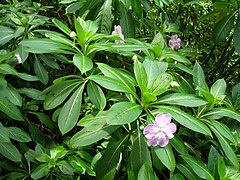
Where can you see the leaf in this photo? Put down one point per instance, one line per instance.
(166, 156)
(10, 151)
(62, 26)
(139, 154)
(107, 164)
(13, 95)
(186, 120)
(137, 7)
(32, 93)
(10, 109)
(127, 23)
(6, 34)
(104, 17)
(69, 113)
(153, 69)
(223, 28)
(96, 95)
(41, 171)
(174, 55)
(74, 7)
(186, 171)
(236, 36)
(18, 134)
(93, 132)
(83, 63)
(141, 76)
(27, 77)
(123, 113)
(218, 113)
(221, 168)
(218, 89)
(182, 99)
(146, 172)
(4, 135)
(43, 118)
(198, 167)
(226, 147)
(179, 145)
(161, 84)
(65, 167)
(59, 92)
(40, 71)
(213, 161)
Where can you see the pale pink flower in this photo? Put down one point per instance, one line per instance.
(118, 32)
(159, 133)
(174, 42)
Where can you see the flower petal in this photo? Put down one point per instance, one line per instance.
(162, 139)
(150, 131)
(152, 142)
(162, 120)
(170, 129)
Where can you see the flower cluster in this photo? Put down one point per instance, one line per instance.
(174, 42)
(118, 32)
(159, 133)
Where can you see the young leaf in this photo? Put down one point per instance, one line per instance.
(10, 151)
(198, 167)
(181, 99)
(123, 113)
(96, 95)
(218, 89)
(83, 63)
(166, 156)
(104, 17)
(107, 164)
(69, 113)
(146, 172)
(221, 168)
(186, 120)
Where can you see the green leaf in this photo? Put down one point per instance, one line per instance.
(104, 17)
(123, 113)
(4, 135)
(32, 93)
(27, 77)
(213, 161)
(187, 171)
(221, 168)
(161, 84)
(6, 34)
(226, 147)
(65, 167)
(139, 154)
(59, 92)
(13, 95)
(10, 151)
(186, 120)
(58, 152)
(41, 171)
(18, 134)
(62, 27)
(166, 156)
(141, 76)
(74, 7)
(69, 113)
(96, 95)
(10, 109)
(49, 61)
(236, 36)
(146, 172)
(127, 22)
(153, 69)
(198, 167)
(218, 89)
(218, 113)
(181, 99)
(223, 28)
(107, 164)
(83, 63)
(40, 71)
(94, 131)
(174, 55)
(43, 118)
(137, 7)
(22, 52)
(179, 145)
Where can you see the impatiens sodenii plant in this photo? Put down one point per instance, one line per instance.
(125, 100)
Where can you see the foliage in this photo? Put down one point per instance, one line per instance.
(73, 104)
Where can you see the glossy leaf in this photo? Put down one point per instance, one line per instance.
(181, 99)
(10, 109)
(96, 95)
(218, 89)
(146, 172)
(123, 113)
(198, 167)
(10, 151)
(69, 114)
(185, 119)
(166, 156)
(83, 63)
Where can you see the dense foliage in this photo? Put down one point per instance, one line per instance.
(119, 89)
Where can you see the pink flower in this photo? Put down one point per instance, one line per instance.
(174, 42)
(159, 133)
(118, 32)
